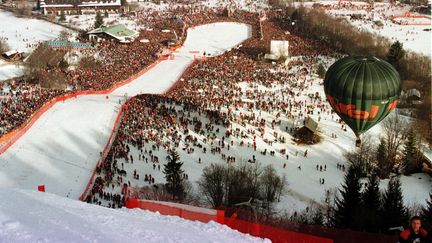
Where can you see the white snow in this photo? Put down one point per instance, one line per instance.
(414, 38)
(21, 33)
(29, 216)
(9, 70)
(62, 148)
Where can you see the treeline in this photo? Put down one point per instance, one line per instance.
(364, 207)
(346, 38)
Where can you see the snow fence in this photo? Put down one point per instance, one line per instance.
(206, 215)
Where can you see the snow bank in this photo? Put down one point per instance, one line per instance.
(28, 216)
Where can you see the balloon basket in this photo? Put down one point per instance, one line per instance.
(358, 142)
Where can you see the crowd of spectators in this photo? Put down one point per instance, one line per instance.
(18, 101)
(219, 103)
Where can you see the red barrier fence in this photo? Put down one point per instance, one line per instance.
(181, 210)
(205, 215)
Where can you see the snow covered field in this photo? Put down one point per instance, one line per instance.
(8, 70)
(62, 148)
(414, 38)
(28, 216)
(22, 33)
(304, 186)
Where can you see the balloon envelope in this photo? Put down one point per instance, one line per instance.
(362, 90)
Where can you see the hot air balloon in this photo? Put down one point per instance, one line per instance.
(362, 90)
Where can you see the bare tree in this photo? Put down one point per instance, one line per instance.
(212, 184)
(362, 157)
(64, 35)
(88, 62)
(23, 8)
(272, 186)
(395, 132)
(3, 46)
(242, 183)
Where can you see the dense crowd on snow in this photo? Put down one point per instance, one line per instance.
(19, 101)
(232, 100)
(113, 63)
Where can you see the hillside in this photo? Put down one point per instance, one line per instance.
(29, 216)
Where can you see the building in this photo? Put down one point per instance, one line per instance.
(278, 50)
(411, 97)
(13, 55)
(79, 6)
(117, 32)
(308, 133)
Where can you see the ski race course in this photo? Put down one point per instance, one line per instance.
(62, 146)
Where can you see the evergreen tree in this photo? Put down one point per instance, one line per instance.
(371, 204)
(99, 20)
(347, 207)
(410, 154)
(395, 54)
(427, 214)
(173, 174)
(62, 16)
(394, 213)
(321, 71)
(384, 165)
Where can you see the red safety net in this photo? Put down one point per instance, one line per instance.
(205, 215)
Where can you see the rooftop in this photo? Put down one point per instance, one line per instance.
(118, 31)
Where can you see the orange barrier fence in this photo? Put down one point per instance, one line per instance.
(180, 210)
(205, 215)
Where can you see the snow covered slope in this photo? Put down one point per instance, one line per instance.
(62, 148)
(8, 70)
(29, 216)
(22, 33)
